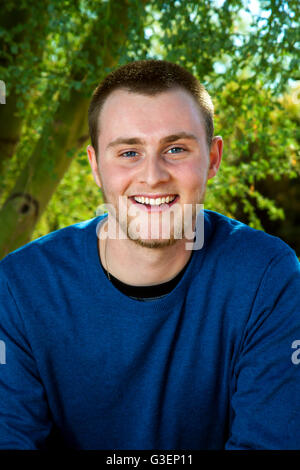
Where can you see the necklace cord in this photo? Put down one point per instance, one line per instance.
(105, 257)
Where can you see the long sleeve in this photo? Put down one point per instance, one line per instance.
(265, 404)
(24, 415)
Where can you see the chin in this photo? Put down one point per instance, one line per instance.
(155, 236)
(148, 243)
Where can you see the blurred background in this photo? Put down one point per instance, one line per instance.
(53, 53)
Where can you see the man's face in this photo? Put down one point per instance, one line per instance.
(153, 152)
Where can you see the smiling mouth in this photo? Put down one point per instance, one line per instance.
(151, 203)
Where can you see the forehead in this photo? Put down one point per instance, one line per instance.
(135, 114)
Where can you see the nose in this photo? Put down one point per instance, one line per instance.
(153, 171)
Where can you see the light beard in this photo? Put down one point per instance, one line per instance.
(154, 244)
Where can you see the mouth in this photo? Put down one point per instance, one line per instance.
(155, 202)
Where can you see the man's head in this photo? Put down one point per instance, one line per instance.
(151, 125)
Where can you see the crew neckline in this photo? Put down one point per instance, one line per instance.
(150, 292)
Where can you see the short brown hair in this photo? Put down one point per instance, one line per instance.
(150, 77)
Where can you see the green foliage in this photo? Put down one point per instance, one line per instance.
(260, 141)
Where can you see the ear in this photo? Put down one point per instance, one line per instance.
(94, 164)
(215, 156)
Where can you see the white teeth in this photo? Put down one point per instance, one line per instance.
(154, 202)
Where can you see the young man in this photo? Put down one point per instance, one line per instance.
(117, 334)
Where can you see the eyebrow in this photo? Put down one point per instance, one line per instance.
(164, 140)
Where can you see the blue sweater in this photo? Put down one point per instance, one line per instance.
(212, 365)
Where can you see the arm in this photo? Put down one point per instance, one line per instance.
(265, 404)
(24, 415)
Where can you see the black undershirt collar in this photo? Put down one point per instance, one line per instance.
(146, 293)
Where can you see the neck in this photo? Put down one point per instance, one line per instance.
(138, 265)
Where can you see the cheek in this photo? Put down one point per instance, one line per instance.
(114, 179)
(191, 176)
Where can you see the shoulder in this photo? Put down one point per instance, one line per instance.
(237, 244)
(52, 249)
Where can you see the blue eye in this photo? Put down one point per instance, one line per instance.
(175, 150)
(129, 153)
